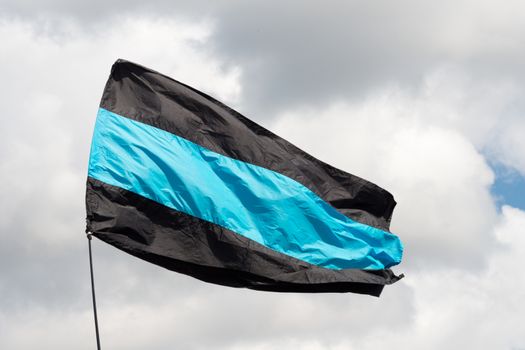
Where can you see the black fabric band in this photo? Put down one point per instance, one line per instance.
(152, 98)
(183, 243)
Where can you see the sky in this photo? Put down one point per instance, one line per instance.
(423, 98)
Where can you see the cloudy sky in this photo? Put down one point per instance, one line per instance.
(425, 98)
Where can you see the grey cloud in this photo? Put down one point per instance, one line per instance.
(49, 111)
(289, 54)
(445, 214)
(318, 52)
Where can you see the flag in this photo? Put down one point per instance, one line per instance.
(183, 181)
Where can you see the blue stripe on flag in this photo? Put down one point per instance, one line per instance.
(252, 201)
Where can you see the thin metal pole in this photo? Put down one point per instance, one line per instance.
(93, 290)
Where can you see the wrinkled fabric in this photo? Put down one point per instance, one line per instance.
(181, 180)
(252, 201)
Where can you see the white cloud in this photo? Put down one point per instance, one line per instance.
(50, 101)
(490, 114)
(52, 83)
(456, 309)
(429, 146)
(445, 213)
(450, 309)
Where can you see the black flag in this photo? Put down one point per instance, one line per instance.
(180, 180)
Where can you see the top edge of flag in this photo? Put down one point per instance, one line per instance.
(152, 98)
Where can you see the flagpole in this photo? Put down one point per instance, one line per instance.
(89, 234)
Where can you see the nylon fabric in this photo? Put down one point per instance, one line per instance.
(212, 253)
(160, 101)
(257, 203)
(328, 229)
